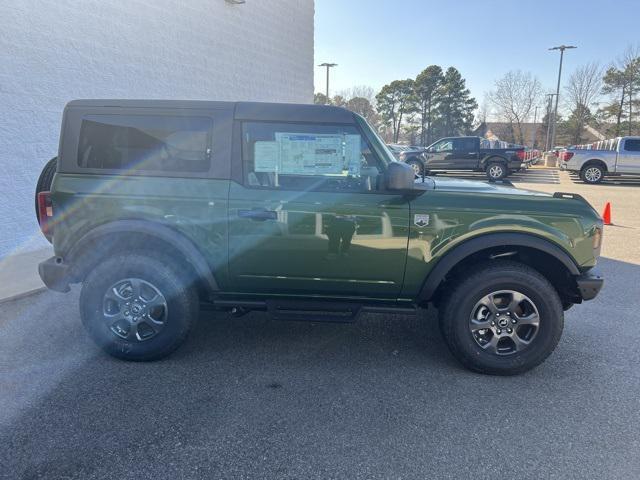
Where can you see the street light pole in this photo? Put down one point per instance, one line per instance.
(535, 128)
(562, 48)
(549, 105)
(328, 66)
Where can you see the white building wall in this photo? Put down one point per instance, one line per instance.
(53, 51)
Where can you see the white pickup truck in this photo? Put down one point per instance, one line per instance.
(618, 156)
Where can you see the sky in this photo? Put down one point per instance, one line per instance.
(377, 41)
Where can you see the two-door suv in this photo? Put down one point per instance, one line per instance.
(301, 211)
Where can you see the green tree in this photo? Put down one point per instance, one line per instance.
(394, 101)
(615, 85)
(573, 127)
(456, 107)
(427, 91)
(321, 99)
(362, 106)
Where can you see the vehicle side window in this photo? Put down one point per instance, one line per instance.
(443, 146)
(632, 145)
(308, 157)
(154, 143)
(469, 145)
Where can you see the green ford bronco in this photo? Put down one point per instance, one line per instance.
(299, 210)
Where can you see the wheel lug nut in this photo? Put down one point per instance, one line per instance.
(126, 312)
(513, 320)
(499, 331)
(509, 330)
(493, 324)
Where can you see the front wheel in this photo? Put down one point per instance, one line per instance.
(496, 171)
(417, 167)
(137, 307)
(503, 318)
(592, 174)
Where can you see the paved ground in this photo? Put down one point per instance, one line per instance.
(255, 398)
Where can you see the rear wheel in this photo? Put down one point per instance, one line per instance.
(592, 174)
(496, 171)
(137, 307)
(504, 318)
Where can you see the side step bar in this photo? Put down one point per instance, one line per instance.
(313, 311)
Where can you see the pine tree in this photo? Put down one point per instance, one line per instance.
(394, 101)
(427, 91)
(456, 107)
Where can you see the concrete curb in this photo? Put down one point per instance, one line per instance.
(21, 295)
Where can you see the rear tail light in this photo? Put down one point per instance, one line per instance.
(520, 154)
(566, 156)
(45, 213)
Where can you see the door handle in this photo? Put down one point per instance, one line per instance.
(258, 214)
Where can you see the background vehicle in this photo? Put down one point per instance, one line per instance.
(471, 153)
(299, 210)
(616, 156)
(397, 149)
(413, 156)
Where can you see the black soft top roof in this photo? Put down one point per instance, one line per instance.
(243, 110)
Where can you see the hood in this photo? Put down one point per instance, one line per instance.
(459, 185)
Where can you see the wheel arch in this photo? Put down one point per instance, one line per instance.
(138, 235)
(595, 161)
(548, 258)
(494, 158)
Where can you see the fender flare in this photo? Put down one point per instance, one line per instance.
(474, 245)
(157, 230)
(494, 158)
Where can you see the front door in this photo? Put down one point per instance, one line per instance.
(439, 154)
(629, 156)
(310, 214)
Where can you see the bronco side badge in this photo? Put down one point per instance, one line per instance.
(421, 219)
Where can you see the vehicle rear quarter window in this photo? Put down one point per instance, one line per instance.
(147, 143)
(632, 145)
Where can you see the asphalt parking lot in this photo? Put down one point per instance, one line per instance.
(257, 398)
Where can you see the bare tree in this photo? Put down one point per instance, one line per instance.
(582, 90)
(515, 96)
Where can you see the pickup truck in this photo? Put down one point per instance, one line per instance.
(469, 153)
(617, 156)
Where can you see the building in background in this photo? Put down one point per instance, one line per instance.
(53, 51)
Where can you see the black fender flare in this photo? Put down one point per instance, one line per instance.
(474, 245)
(493, 158)
(145, 227)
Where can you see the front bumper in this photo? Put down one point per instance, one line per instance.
(55, 274)
(589, 285)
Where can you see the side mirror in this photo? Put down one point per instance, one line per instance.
(400, 177)
(431, 150)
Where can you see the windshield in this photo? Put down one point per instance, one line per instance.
(380, 147)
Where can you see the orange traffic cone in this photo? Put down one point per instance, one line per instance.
(606, 216)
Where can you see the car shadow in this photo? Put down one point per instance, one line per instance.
(622, 181)
(257, 397)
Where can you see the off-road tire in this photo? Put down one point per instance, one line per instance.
(457, 307)
(181, 299)
(44, 180)
(492, 167)
(592, 174)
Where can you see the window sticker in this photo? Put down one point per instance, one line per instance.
(310, 154)
(266, 157)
